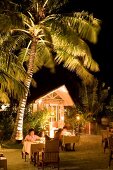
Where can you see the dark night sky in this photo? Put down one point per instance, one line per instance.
(101, 52)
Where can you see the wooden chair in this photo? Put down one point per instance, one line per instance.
(110, 149)
(50, 156)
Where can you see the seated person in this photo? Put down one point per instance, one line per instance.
(47, 137)
(64, 131)
(31, 136)
(44, 135)
(59, 135)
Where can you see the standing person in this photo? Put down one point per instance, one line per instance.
(31, 136)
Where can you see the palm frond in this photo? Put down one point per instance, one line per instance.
(4, 97)
(48, 38)
(12, 73)
(28, 21)
(33, 83)
(10, 85)
(44, 57)
(54, 6)
(12, 65)
(74, 64)
(86, 26)
(23, 56)
(4, 38)
(13, 42)
(8, 22)
(74, 51)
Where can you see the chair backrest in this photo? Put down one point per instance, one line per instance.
(51, 151)
(52, 145)
(71, 139)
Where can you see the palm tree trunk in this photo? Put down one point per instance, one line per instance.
(18, 128)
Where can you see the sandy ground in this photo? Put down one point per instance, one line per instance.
(88, 155)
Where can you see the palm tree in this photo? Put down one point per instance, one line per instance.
(52, 38)
(93, 98)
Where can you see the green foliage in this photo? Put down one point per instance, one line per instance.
(37, 120)
(12, 72)
(109, 108)
(61, 34)
(42, 32)
(93, 98)
(71, 117)
(69, 42)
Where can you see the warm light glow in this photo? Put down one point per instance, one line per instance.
(42, 140)
(52, 113)
(52, 133)
(3, 107)
(19, 128)
(20, 121)
(63, 89)
(19, 135)
(62, 118)
(40, 101)
(78, 117)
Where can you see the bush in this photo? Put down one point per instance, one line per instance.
(37, 120)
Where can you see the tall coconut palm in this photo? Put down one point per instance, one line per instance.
(52, 38)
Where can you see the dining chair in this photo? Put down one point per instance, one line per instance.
(50, 156)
